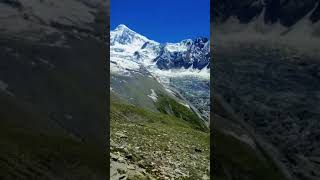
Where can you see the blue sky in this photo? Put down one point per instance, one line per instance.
(164, 20)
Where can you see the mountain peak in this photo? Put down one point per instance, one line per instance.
(124, 35)
(122, 26)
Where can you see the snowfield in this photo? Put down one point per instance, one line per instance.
(129, 51)
(153, 95)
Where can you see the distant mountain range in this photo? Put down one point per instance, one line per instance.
(130, 50)
(169, 68)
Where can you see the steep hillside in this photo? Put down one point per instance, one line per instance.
(154, 145)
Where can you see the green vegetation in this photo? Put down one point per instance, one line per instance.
(162, 144)
(168, 105)
(135, 114)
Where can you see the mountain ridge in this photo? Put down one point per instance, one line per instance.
(185, 54)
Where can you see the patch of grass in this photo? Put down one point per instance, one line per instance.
(168, 105)
(151, 132)
(132, 113)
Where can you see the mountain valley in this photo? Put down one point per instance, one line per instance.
(156, 132)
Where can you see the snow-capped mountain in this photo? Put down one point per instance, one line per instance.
(171, 68)
(130, 51)
(187, 53)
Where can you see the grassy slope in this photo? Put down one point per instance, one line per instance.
(152, 131)
(168, 105)
(136, 88)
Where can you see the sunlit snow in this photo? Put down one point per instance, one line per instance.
(130, 50)
(153, 95)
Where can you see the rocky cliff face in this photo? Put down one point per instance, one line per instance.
(186, 54)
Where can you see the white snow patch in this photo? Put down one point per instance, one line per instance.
(176, 47)
(186, 105)
(153, 95)
(124, 53)
(183, 72)
(122, 66)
